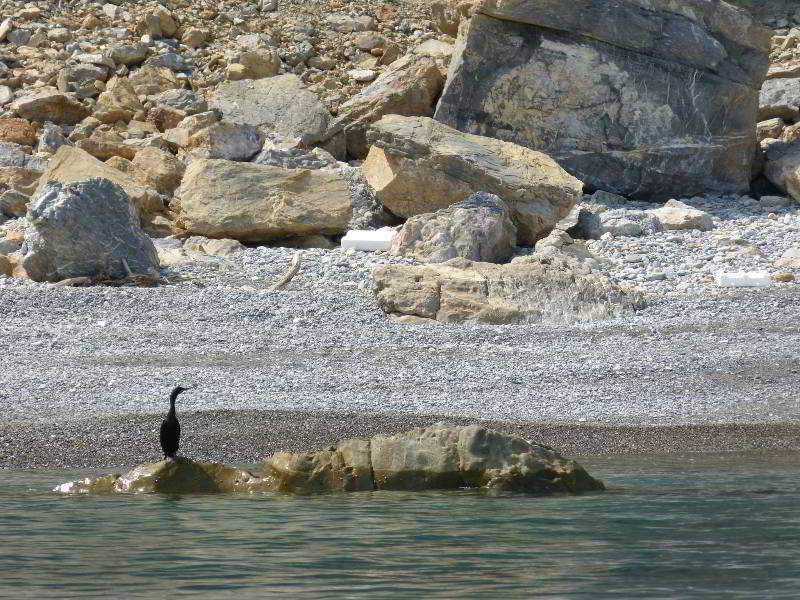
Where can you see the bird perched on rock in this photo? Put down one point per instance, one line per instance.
(170, 428)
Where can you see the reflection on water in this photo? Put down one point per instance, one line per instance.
(695, 526)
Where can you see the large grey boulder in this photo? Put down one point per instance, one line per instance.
(650, 100)
(85, 229)
(281, 104)
(410, 86)
(780, 98)
(479, 228)
(782, 167)
(255, 203)
(530, 289)
(437, 457)
(417, 165)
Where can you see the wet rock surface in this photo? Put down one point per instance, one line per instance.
(437, 457)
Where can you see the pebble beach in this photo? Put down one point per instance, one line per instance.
(701, 367)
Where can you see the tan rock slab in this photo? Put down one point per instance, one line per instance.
(247, 202)
(70, 164)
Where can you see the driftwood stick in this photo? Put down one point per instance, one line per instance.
(294, 267)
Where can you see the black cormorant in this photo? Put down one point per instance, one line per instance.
(170, 428)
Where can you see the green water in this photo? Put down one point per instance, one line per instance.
(695, 526)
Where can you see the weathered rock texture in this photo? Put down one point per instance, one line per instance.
(410, 87)
(280, 104)
(255, 203)
(530, 289)
(417, 165)
(70, 164)
(782, 167)
(170, 477)
(650, 99)
(85, 229)
(437, 457)
(480, 229)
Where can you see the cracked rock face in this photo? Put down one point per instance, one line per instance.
(650, 103)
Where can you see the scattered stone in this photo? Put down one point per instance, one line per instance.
(223, 247)
(417, 165)
(85, 229)
(790, 258)
(783, 277)
(676, 215)
(479, 229)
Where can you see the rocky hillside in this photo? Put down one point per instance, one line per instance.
(477, 126)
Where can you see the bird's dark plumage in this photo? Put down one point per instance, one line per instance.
(170, 428)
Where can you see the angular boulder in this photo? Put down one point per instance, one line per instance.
(279, 104)
(157, 169)
(409, 87)
(479, 228)
(530, 289)
(417, 165)
(226, 140)
(651, 100)
(676, 216)
(437, 457)
(780, 98)
(17, 131)
(118, 102)
(254, 203)
(85, 229)
(782, 167)
(70, 164)
(48, 104)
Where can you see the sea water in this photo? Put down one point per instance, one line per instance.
(688, 526)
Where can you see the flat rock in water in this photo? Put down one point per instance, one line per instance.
(432, 458)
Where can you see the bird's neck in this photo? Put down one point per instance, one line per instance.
(171, 407)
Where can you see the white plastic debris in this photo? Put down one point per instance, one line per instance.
(744, 279)
(369, 239)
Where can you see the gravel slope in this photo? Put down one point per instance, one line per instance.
(79, 356)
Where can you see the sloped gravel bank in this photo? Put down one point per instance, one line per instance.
(96, 355)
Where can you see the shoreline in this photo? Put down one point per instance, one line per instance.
(248, 436)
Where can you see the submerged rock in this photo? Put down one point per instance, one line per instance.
(435, 457)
